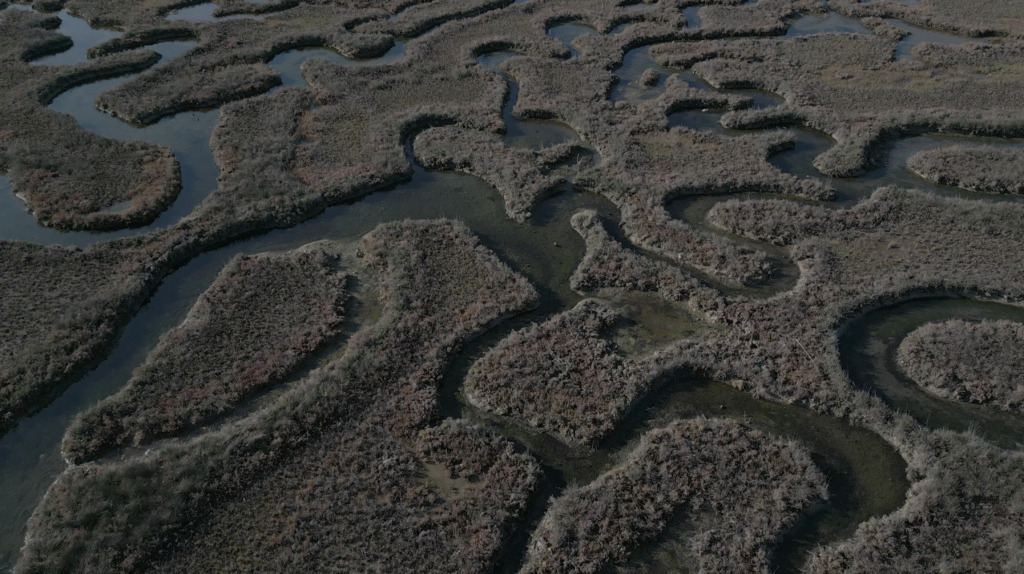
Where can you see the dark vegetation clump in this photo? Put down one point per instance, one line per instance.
(973, 362)
(738, 488)
(650, 78)
(260, 318)
(67, 176)
(349, 456)
(987, 169)
(561, 377)
(522, 176)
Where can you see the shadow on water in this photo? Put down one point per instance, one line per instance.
(867, 348)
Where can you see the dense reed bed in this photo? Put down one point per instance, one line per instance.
(259, 319)
(986, 169)
(608, 266)
(230, 61)
(737, 488)
(344, 457)
(971, 362)
(895, 245)
(67, 176)
(561, 376)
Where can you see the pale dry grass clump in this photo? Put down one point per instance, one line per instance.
(738, 488)
(987, 169)
(522, 176)
(561, 377)
(363, 116)
(67, 176)
(971, 362)
(608, 265)
(345, 456)
(260, 318)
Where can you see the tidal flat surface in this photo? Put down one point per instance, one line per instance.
(867, 477)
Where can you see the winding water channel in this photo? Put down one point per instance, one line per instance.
(866, 476)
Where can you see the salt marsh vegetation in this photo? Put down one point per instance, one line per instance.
(983, 169)
(262, 316)
(739, 487)
(397, 450)
(971, 362)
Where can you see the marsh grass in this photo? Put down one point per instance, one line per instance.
(967, 361)
(260, 318)
(742, 486)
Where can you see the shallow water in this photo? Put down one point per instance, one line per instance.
(866, 477)
(868, 347)
(83, 36)
(187, 134)
(566, 33)
(204, 13)
(818, 24)
(289, 64)
(920, 36)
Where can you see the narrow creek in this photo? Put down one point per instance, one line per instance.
(867, 348)
(867, 478)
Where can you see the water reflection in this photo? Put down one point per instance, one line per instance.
(186, 134)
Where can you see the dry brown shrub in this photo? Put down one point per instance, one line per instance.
(964, 513)
(67, 176)
(560, 377)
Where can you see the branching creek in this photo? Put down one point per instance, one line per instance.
(866, 476)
